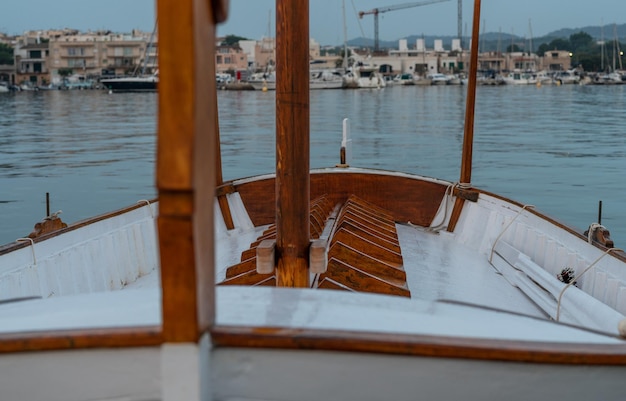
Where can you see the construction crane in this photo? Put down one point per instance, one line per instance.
(381, 10)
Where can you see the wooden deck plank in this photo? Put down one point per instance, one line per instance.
(368, 247)
(359, 280)
(362, 261)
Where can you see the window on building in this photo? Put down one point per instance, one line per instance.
(35, 54)
(75, 51)
(227, 60)
(555, 55)
(76, 62)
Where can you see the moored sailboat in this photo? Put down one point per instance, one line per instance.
(337, 283)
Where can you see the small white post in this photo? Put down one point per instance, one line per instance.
(346, 145)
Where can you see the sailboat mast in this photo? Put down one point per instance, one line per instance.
(468, 135)
(292, 143)
(345, 37)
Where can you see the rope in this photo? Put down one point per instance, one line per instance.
(147, 202)
(493, 247)
(447, 194)
(32, 247)
(558, 305)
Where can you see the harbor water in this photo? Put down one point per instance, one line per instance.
(559, 148)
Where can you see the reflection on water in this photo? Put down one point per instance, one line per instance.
(91, 151)
(559, 148)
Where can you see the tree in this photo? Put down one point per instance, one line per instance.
(555, 44)
(581, 41)
(339, 62)
(6, 54)
(513, 48)
(231, 40)
(65, 72)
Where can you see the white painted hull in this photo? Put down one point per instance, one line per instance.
(313, 84)
(322, 84)
(263, 85)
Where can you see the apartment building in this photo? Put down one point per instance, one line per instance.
(101, 53)
(31, 62)
(229, 59)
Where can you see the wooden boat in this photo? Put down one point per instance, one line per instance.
(338, 283)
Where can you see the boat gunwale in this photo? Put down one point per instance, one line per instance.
(224, 336)
(618, 253)
(15, 245)
(55, 340)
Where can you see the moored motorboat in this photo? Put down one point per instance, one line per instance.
(338, 283)
(438, 79)
(404, 79)
(325, 79)
(364, 76)
(520, 78)
(132, 84)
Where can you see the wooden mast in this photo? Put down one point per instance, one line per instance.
(292, 143)
(468, 134)
(219, 178)
(185, 161)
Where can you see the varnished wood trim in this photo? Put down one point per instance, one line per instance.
(292, 144)
(456, 214)
(226, 214)
(250, 277)
(242, 267)
(359, 280)
(466, 194)
(225, 189)
(415, 200)
(365, 262)
(372, 249)
(186, 163)
(419, 345)
(329, 284)
(219, 10)
(372, 236)
(146, 336)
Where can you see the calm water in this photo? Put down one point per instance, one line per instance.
(561, 149)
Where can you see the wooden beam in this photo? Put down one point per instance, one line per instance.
(186, 186)
(292, 143)
(468, 136)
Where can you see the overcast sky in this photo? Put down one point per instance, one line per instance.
(254, 18)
